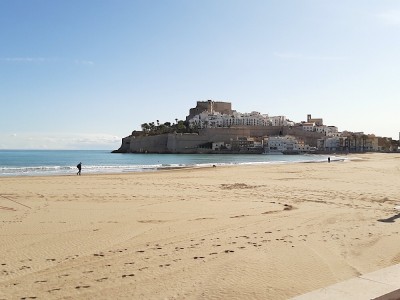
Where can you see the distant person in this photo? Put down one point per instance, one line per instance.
(79, 166)
(329, 159)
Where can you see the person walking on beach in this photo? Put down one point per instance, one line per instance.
(79, 166)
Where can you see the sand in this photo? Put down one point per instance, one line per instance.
(242, 232)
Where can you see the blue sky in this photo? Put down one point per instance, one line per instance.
(84, 74)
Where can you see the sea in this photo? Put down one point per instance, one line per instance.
(64, 162)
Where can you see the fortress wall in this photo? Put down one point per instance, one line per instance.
(261, 131)
(209, 105)
(188, 143)
(226, 134)
(154, 144)
(185, 143)
(223, 134)
(200, 107)
(223, 107)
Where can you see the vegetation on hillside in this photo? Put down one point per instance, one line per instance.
(179, 126)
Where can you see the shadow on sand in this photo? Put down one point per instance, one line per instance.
(391, 219)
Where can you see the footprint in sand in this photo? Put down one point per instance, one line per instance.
(82, 286)
(101, 279)
(166, 265)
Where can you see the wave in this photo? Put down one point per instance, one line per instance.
(91, 169)
(124, 168)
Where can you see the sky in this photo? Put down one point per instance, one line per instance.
(83, 74)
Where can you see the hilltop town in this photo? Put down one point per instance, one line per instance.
(213, 127)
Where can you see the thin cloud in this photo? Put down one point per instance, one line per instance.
(24, 59)
(97, 139)
(288, 55)
(82, 139)
(390, 17)
(38, 60)
(59, 141)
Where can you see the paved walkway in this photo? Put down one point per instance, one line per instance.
(383, 284)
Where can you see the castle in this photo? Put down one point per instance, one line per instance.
(211, 107)
(213, 127)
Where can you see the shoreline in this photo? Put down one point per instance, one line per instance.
(223, 232)
(130, 169)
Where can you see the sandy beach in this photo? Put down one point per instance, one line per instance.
(241, 232)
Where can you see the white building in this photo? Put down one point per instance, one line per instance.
(332, 143)
(309, 127)
(216, 119)
(319, 129)
(331, 131)
(281, 144)
(280, 121)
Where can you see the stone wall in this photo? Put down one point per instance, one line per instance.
(226, 134)
(151, 144)
(192, 143)
(223, 107)
(185, 143)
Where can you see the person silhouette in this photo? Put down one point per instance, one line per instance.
(79, 166)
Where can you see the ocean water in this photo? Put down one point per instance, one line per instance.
(63, 162)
